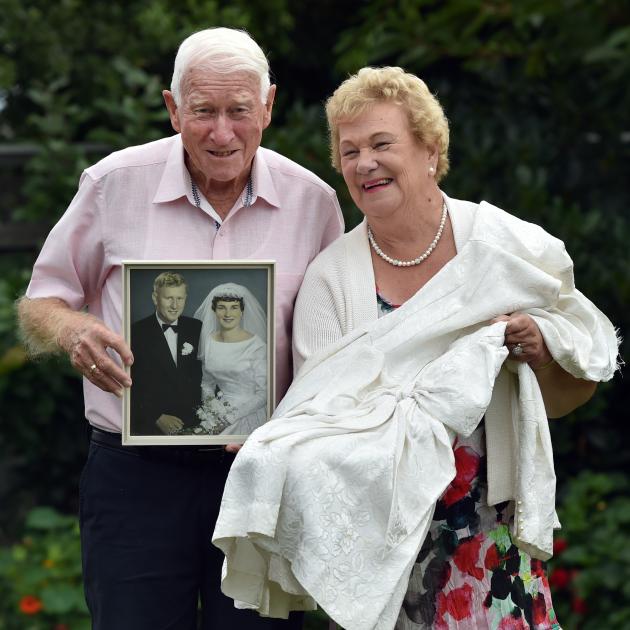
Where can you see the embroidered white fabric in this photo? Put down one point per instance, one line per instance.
(325, 508)
(330, 501)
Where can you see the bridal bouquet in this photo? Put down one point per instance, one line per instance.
(215, 413)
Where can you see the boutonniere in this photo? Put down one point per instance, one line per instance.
(186, 349)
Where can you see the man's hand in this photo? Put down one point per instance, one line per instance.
(233, 448)
(169, 424)
(85, 339)
(49, 324)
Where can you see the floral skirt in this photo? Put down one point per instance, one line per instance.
(468, 574)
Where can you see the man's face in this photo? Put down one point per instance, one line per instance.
(170, 302)
(221, 120)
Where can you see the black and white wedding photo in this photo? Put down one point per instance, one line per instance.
(200, 335)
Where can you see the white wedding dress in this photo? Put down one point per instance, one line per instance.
(239, 369)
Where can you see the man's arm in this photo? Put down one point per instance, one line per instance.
(49, 325)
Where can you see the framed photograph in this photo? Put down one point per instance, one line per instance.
(202, 337)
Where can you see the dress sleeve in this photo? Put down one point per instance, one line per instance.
(208, 385)
(258, 368)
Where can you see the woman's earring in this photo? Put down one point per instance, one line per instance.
(431, 171)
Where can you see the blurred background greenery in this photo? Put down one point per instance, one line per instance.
(536, 93)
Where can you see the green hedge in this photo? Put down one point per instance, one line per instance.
(536, 97)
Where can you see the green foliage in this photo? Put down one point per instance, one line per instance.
(591, 569)
(536, 98)
(41, 452)
(40, 577)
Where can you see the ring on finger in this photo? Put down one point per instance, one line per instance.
(93, 368)
(517, 350)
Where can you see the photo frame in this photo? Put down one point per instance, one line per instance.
(203, 339)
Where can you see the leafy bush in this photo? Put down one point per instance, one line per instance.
(590, 571)
(44, 443)
(536, 98)
(40, 577)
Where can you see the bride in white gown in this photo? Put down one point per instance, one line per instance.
(233, 353)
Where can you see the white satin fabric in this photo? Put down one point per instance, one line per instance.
(330, 501)
(239, 369)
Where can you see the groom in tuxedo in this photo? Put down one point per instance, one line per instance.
(166, 372)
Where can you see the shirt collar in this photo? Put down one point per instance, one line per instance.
(175, 180)
(161, 322)
(262, 181)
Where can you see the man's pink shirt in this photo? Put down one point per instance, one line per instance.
(137, 204)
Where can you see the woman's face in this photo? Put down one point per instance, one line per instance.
(228, 314)
(383, 165)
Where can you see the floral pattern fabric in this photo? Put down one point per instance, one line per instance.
(469, 575)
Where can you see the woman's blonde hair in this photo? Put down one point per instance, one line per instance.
(390, 84)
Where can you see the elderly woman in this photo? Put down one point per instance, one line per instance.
(413, 475)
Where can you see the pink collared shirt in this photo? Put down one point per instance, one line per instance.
(137, 204)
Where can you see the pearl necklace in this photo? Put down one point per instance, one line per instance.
(416, 261)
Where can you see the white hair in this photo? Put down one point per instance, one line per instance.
(222, 50)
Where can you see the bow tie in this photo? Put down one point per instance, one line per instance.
(165, 327)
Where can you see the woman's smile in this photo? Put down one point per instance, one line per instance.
(376, 184)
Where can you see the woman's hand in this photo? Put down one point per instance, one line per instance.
(524, 340)
(561, 392)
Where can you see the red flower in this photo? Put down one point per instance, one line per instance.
(559, 545)
(458, 603)
(61, 626)
(30, 605)
(466, 556)
(510, 623)
(467, 466)
(492, 558)
(560, 578)
(539, 610)
(578, 605)
(538, 569)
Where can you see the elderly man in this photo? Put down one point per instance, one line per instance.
(209, 192)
